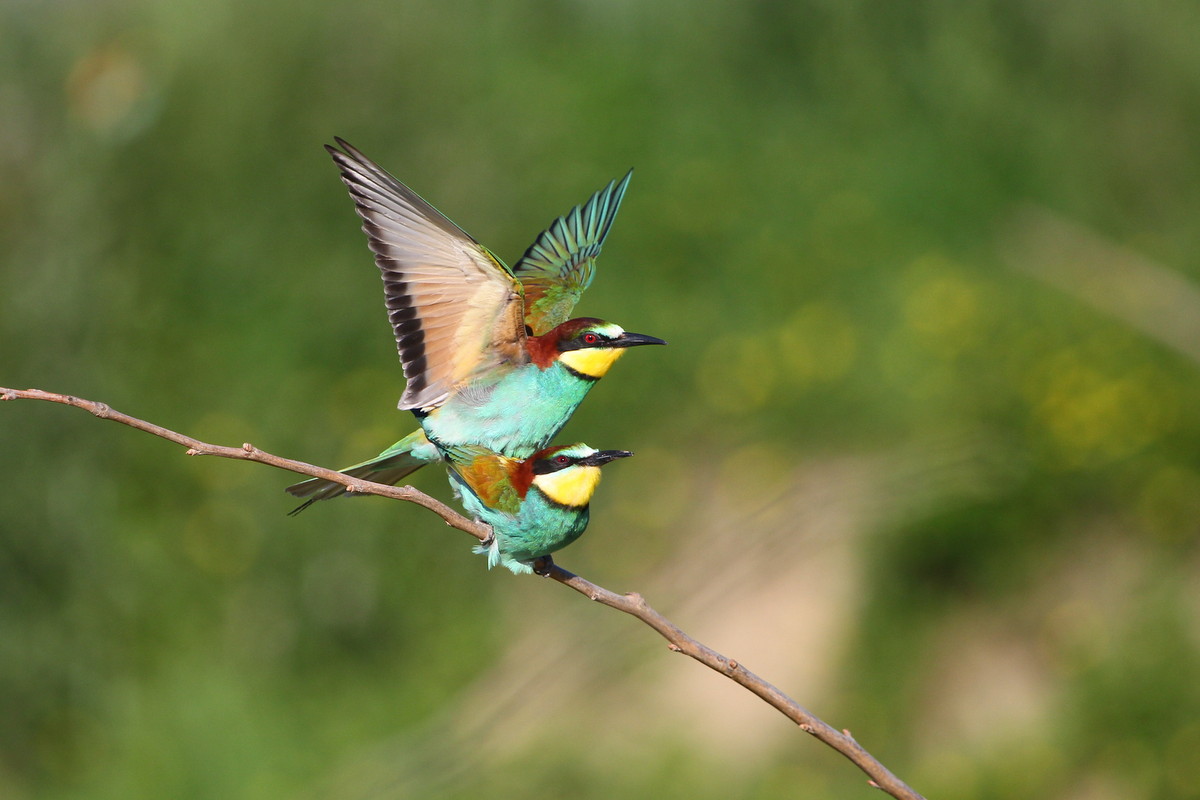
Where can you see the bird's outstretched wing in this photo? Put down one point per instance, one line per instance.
(455, 308)
(560, 264)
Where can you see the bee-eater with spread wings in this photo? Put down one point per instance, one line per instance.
(489, 354)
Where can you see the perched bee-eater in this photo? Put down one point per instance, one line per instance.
(535, 505)
(489, 354)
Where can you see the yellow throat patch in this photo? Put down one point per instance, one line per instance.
(572, 487)
(593, 362)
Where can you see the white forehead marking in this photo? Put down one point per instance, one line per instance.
(611, 330)
(576, 451)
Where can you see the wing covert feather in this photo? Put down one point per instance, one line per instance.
(489, 475)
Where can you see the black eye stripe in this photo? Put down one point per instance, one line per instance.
(580, 341)
(544, 466)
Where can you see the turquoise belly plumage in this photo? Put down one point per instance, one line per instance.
(538, 529)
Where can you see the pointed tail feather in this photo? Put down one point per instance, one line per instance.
(391, 466)
(317, 489)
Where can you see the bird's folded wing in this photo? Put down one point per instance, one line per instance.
(560, 264)
(455, 308)
(492, 477)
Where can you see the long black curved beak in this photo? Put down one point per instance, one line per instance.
(628, 339)
(602, 457)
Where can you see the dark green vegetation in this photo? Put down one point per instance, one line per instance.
(939, 500)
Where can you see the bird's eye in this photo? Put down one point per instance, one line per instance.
(591, 338)
(562, 460)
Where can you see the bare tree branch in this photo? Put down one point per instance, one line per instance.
(632, 603)
(248, 452)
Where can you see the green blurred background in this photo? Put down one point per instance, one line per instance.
(923, 451)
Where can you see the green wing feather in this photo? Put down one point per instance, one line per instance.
(561, 263)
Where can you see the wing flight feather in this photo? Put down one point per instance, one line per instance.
(456, 310)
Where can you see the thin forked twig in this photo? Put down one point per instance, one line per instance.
(632, 603)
